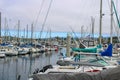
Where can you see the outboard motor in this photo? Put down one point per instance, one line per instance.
(43, 69)
(46, 67)
(36, 71)
(63, 63)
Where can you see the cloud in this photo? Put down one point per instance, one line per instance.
(63, 13)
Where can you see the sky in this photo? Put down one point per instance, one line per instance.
(62, 15)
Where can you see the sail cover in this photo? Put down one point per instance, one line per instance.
(107, 74)
(108, 51)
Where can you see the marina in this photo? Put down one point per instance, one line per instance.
(59, 40)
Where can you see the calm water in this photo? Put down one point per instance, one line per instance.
(11, 67)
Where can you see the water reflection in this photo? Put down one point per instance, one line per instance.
(12, 68)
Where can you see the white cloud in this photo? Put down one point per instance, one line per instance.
(63, 13)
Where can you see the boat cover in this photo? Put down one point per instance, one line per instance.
(107, 74)
(90, 50)
(108, 51)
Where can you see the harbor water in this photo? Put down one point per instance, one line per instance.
(20, 67)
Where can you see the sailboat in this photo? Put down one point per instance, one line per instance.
(75, 69)
(116, 48)
(109, 50)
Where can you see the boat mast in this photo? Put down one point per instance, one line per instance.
(24, 36)
(18, 30)
(118, 21)
(82, 31)
(5, 28)
(0, 24)
(46, 16)
(31, 33)
(27, 33)
(111, 29)
(68, 44)
(0, 30)
(100, 33)
(93, 22)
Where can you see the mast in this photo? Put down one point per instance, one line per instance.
(100, 33)
(50, 38)
(46, 16)
(93, 22)
(111, 28)
(24, 36)
(5, 29)
(31, 32)
(27, 34)
(0, 30)
(118, 20)
(82, 31)
(0, 24)
(18, 30)
(68, 44)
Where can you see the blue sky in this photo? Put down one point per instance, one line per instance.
(23, 34)
(62, 14)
